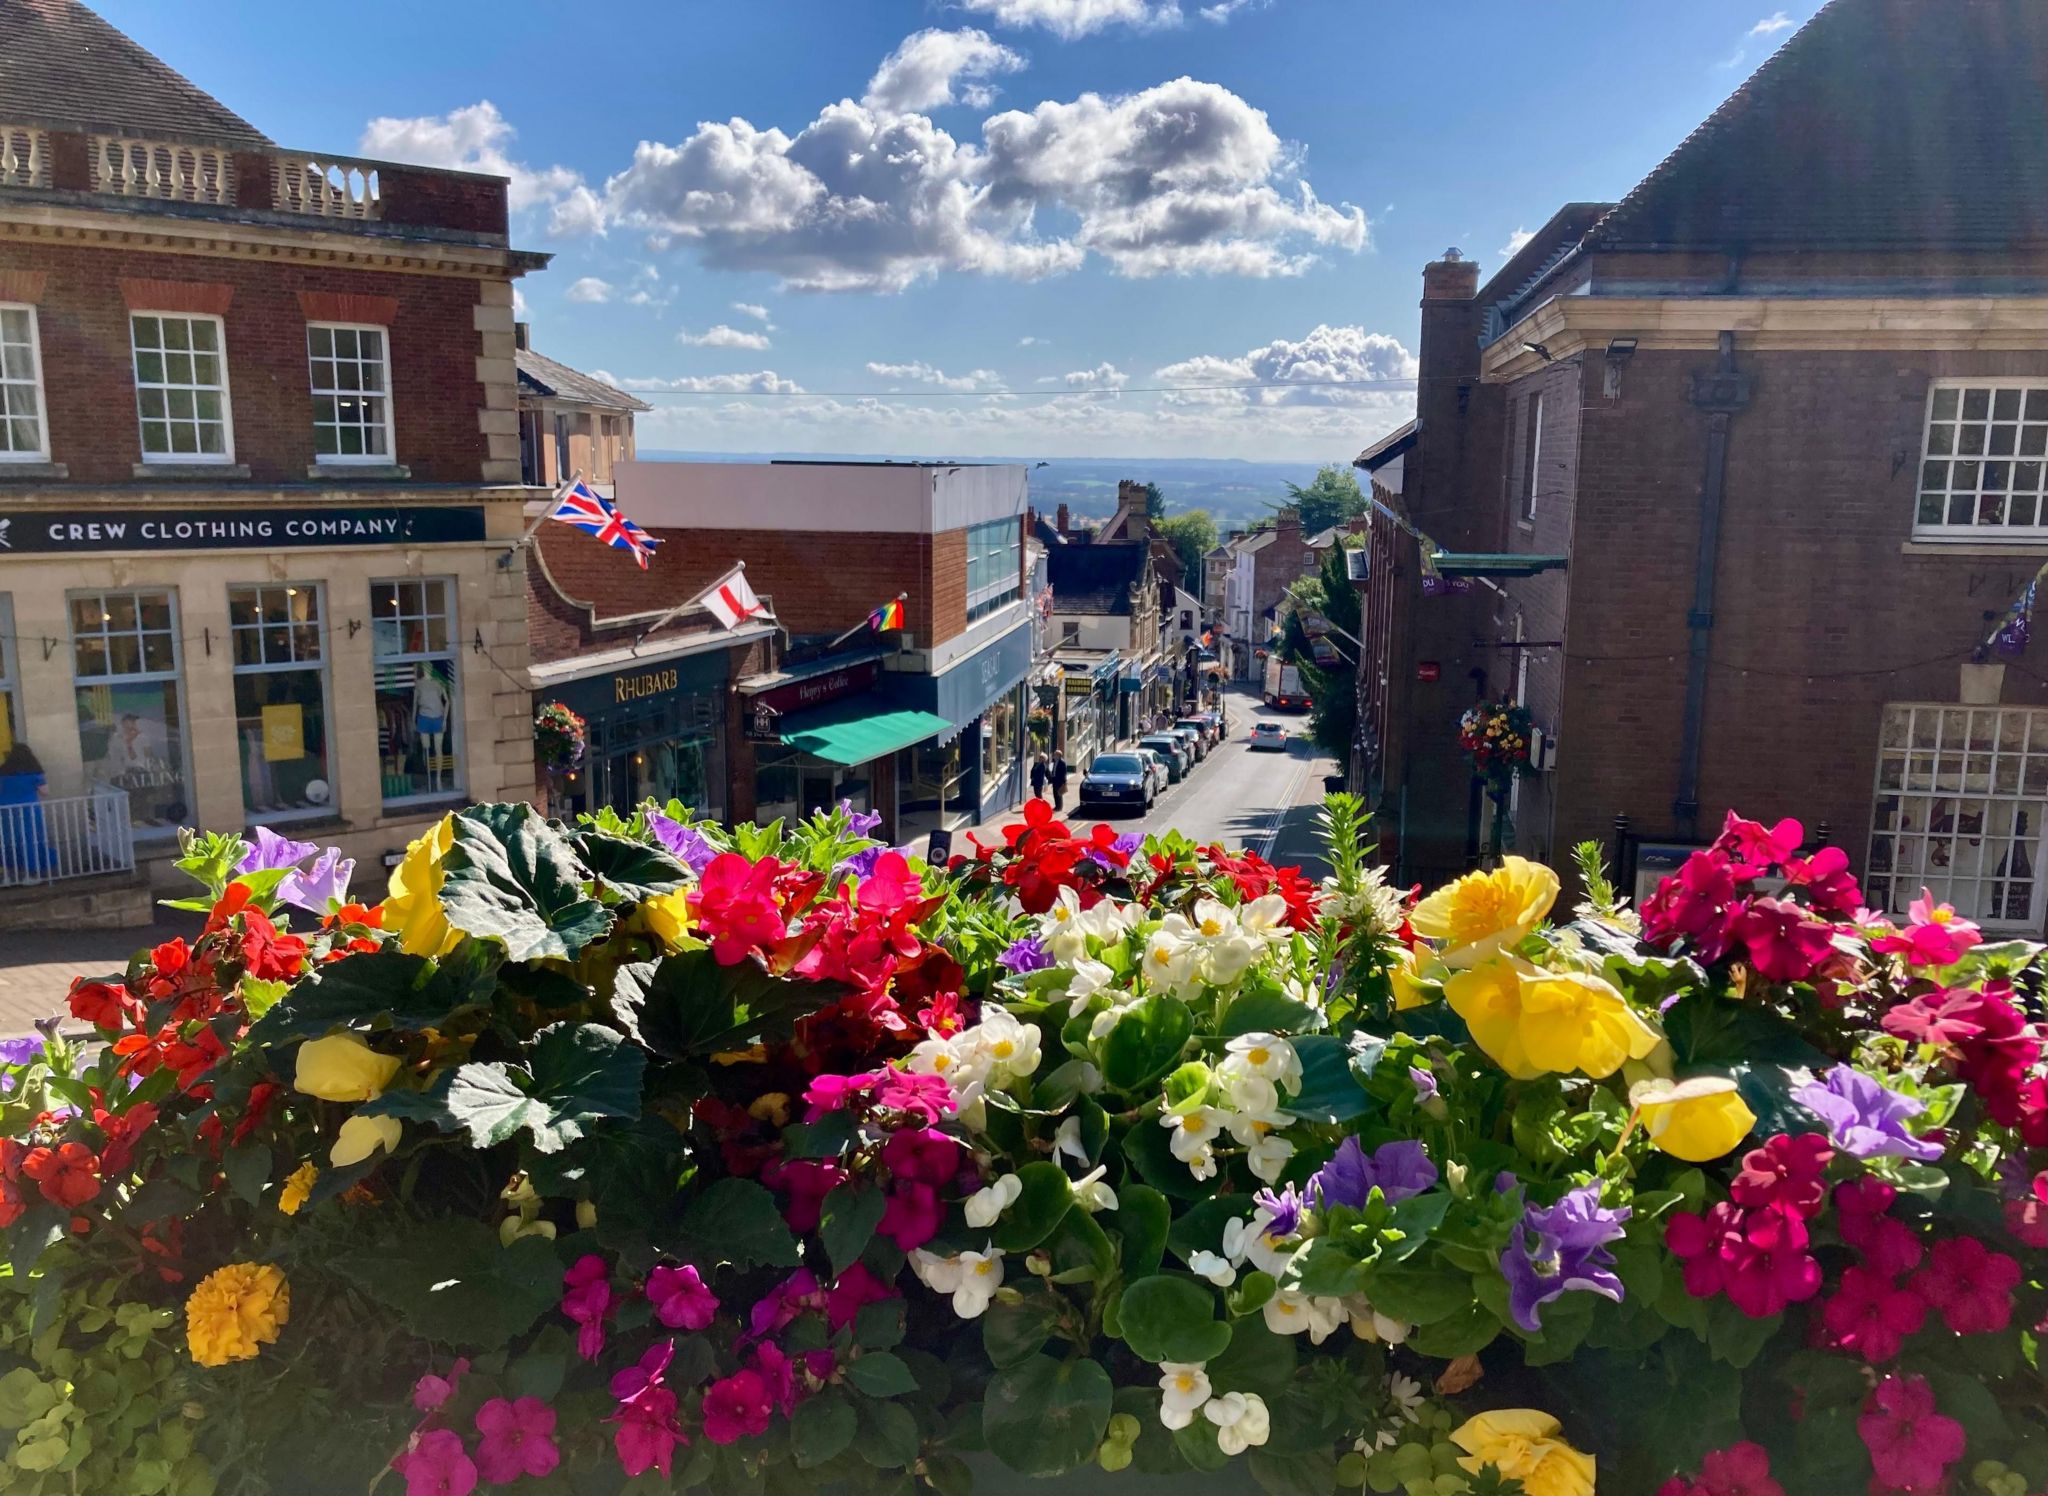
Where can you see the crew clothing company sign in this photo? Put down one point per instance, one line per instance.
(92, 531)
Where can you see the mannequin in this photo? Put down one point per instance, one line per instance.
(430, 722)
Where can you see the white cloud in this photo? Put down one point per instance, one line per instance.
(924, 373)
(473, 138)
(588, 288)
(1104, 376)
(1771, 25)
(578, 212)
(1763, 31)
(518, 302)
(723, 336)
(1223, 10)
(1029, 341)
(1181, 178)
(1311, 371)
(761, 382)
(1516, 242)
(751, 309)
(921, 72)
(1074, 18)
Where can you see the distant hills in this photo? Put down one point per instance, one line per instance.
(1234, 492)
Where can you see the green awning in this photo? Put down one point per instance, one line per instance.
(859, 728)
(1493, 564)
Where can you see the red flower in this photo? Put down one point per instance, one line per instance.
(1970, 1284)
(1758, 1258)
(850, 1292)
(1911, 1446)
(735, 906)
(68, 1175)
(737, 1406)
(1698, 905)
(102, 1004)
(1787, 1172)
(1871, 1315)
(1739, 1470)
(1785, 943)
(12, 1204)
(122, 1134)
(267, 955)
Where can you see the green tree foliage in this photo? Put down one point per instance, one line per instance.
(1193, 536)
(1155, 501)
(1332, 691)
(1331, 499)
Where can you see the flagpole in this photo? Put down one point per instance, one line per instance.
(681, 608)
(901, 597)
(553, 499)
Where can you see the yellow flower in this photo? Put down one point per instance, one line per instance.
(1489, 999)
(234, 1311)
(297, 1185)
(341, 1067)
(1410, 991)
(413, 909)
(666, 916)
(1521, 1443)
(362, 1136)
(1695, 1120)
(1484, 913)
(1571, 1021)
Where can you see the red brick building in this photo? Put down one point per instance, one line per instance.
(258, 474)
(1783, 413)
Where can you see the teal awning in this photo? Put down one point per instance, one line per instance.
(859, 728)
(1493, 564)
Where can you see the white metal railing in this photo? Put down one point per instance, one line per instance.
(128, 167)
(24, 156)
(325, 187)
(71, 836)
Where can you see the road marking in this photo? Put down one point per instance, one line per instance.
(1279, 816)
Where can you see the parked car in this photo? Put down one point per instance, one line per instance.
(1269, 735)
(1215, 722)
(1200, 729)
(1161, 767)
(1193, 739)
(1172, 749)
(1118, 779)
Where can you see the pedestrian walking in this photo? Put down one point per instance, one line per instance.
(1058, 779)
(1039, 774)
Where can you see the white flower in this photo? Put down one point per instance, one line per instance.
(1241, 1421)
(1248, 1126)
(1216, 1269)
(1367, 1323)
(989, 1202)
(1290, 1311)
(1120, 1004)
(1184, 1388)
(1265, 1055)
(1248, 1239)
(1068, 1140)
(1248, 1092)
(939, 1274)
(1227, 960)
(1406, 1394)
(981, 1274)
(1203, 1164)
(1213, 920)
(1108, 921)
(1193, 1132)
(1089, 978)
(1091, 1194)
(1011, 1048)
(1057, 928)
(1267, 1158)
(1265, 918)
(1170, 962)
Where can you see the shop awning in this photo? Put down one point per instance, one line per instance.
(858, 729)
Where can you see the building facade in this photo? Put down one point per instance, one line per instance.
(1782, 413)
(1106, 634)
(570, 423)
(259, 482)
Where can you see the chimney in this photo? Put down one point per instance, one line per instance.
(521, 337)
(1288, 518)
(1062, 518)
(1453, 278)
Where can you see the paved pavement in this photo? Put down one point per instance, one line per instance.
(36, 966)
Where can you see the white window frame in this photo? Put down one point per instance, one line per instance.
(981, 546)
(389, 456)
(35, 353)
(2033, 395)
(1532, 449)
(1919, 769)
(318, 665)
(459, 749)
(175, 674)
(225, 457)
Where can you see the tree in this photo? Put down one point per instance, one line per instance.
(1332, 689)
(1331, 499)
(1193, 536)
(1155, 501)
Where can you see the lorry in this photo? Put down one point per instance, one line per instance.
(1283, 686)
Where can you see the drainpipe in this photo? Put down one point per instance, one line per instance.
(1719, 393)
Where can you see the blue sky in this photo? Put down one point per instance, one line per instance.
(1040, 227)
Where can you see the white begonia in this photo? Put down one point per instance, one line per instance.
(1059, 929)
(1368, 1324)
(1109, 921)
(1120, 1004)
(1247, 1240)
(1183, 1389)
(1248, 1093)
(1265, 1055)
(1068, 1140)
(1203, 1165)
(986, 1204)
(939, 1274)
(1091, 1193)
(981, 1274)
(1192, 1132)
(1213, 1267)
(1241, 1420)
(1265, 919)
(1171, 962)
(1287, 1312)
(1089, 978)
(1011, 1048)
(1267, 1158)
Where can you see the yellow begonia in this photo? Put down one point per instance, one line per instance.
(341, 1067)
(297, 1186)
(362, 1136)
(1522, 1444)
(1485, 913)
(413, 909)
(666, 916)
(235, 1311)
(1489, 999)
(1406, 979)
(1532, 1022)
(1696, 1120)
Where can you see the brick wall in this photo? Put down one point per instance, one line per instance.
(88, 372)
(1278, 565)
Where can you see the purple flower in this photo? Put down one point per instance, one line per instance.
(20, 1051)
(1424, 1082)
(862, 863)
(1559, 1248)
(1284, 1207)
(860, 822)
(272, 851)
(1398, 1170)
(1028, 954)
(1127, 844)
(1866, 1118)
(322, 887)
(685, 843)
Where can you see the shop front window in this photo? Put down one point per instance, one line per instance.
(131, 725)
(281, 701)
(662, 751)
(790, 785)
(419, 716)
(10, 702)
(998, 742)
(933, 785)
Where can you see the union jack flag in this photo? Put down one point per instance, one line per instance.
(594, 514)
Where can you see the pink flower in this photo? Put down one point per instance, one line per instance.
(647, 1433)
(2027, 1217)
(1937, 936)
(436, 1464)
(808, 1181)
(1890, 1247)
(1739, 1470)
(1911, 1446)
(1970, 1284)
(1785, 943)
(923, 1098)
(1756, 848)
(913, 1215)
(430, 1391)
(850, 1292)
(587, 1301)
(891, 886)
(1758, 1258)
(773, 1313)
(735, 906)
(736, 1407)
(779, 1372)
(923, 1155)
(1858, 1205)
(1830, 886)
(680, 1299)
(1697, 905)
(1787, 1171)
(1872, 1316)
(835, 1093)
(518, 1439)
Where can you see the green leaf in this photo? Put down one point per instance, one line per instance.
(737, 1221)
(880, 1325)
(24, 1397)
(1166, 1318)
(1199, 1228)
(1266, 1010)
(1465, 1333)
(580, 1073)
(1734, 1337)
(451, 1281)
(880, 1374)
(1044, 1197)
(890, 1437)
(1326, 1267)
(1012, 1334)
(248, 1170)
(1045, 1417)
(411, 992)
(35, 1231)
(1146, 1042)
(512, 876)
(634, 870)
(687, 1006)
(821, 1429)
(1256, 1361)
(1148, 1149)
(1330, 1092)
(847, 1221)
(1308, 1472)
(1142, 1218)
(1419, 1295)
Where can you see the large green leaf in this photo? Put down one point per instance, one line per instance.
(1014, 1333)
(1419, 1295)
(687, 1006)
(820, 1429)
(576, 1074)
(451, 1281)
(847, 1221)
(1142, 1218)
(1330, 1092)
(1043, 1198)
(514, 877)
(1257, 1360)
(1166, 1318)
(1044, 1417)
(411, 992)
(736, 1221)
(1146, 1042)
(1264, 1008)
(632, 869)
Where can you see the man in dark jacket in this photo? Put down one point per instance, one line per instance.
(1059, 779)
(1039, 775)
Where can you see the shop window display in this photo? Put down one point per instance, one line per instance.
(419, 729)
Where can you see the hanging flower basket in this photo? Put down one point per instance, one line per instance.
(1495, 738)
(560, 737)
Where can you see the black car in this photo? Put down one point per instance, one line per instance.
(1117, 779)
